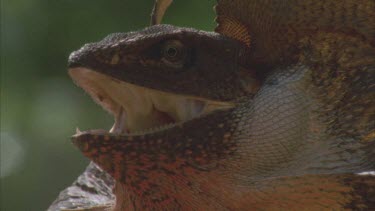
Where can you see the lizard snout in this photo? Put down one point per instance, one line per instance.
(80, 57)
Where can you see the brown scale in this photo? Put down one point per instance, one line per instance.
(344, 75)
(156, 171)
(276, 26)
(235, 30)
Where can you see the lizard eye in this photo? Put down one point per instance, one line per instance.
(173, 53)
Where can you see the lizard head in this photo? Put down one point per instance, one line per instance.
(163, 74)
(170, 90)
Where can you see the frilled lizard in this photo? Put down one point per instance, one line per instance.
(274, 111)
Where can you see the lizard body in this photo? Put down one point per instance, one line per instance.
(293, 135)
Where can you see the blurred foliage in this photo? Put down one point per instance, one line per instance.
(40, 105)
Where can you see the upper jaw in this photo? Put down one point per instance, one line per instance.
(139, 110)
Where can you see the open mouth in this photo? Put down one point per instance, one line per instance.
(138, 110)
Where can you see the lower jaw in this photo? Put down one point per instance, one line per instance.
(138, 111)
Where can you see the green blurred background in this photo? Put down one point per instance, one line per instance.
(40, 106)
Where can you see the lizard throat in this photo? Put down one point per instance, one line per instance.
(138, 110)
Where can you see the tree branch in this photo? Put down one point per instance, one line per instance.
(91, 191)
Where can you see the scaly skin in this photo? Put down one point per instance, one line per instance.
(276, 26)
(297, 144)
(261, 145)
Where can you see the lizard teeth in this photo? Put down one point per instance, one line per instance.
(119, 126)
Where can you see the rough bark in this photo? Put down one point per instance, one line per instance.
(91, 191)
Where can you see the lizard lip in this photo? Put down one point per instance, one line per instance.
(139, 110)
